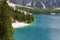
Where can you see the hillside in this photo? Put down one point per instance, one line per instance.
(38, 3)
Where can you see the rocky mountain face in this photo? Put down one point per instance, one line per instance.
(38, 3)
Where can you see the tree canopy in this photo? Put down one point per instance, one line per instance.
(6, 15)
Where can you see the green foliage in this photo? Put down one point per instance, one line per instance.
(56, 11)
(22, 17)
(39, 10)
(6, 29)
(6, 15)
(29, 18)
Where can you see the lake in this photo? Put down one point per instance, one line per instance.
(45, 27)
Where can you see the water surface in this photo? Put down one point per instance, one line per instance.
(45, 27)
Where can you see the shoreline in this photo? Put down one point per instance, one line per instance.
(17, 24)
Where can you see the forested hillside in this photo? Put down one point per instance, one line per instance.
(6, 15)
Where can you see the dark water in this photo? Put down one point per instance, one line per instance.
(45, 27)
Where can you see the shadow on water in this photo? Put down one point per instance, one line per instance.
(45, 27)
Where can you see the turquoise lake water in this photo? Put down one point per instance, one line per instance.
(45, 27)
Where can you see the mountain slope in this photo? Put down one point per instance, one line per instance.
(38, 3)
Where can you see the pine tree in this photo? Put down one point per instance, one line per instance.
(6, 29)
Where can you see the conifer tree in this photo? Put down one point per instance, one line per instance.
(6, 29)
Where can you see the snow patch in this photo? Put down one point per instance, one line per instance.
(43, 5)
